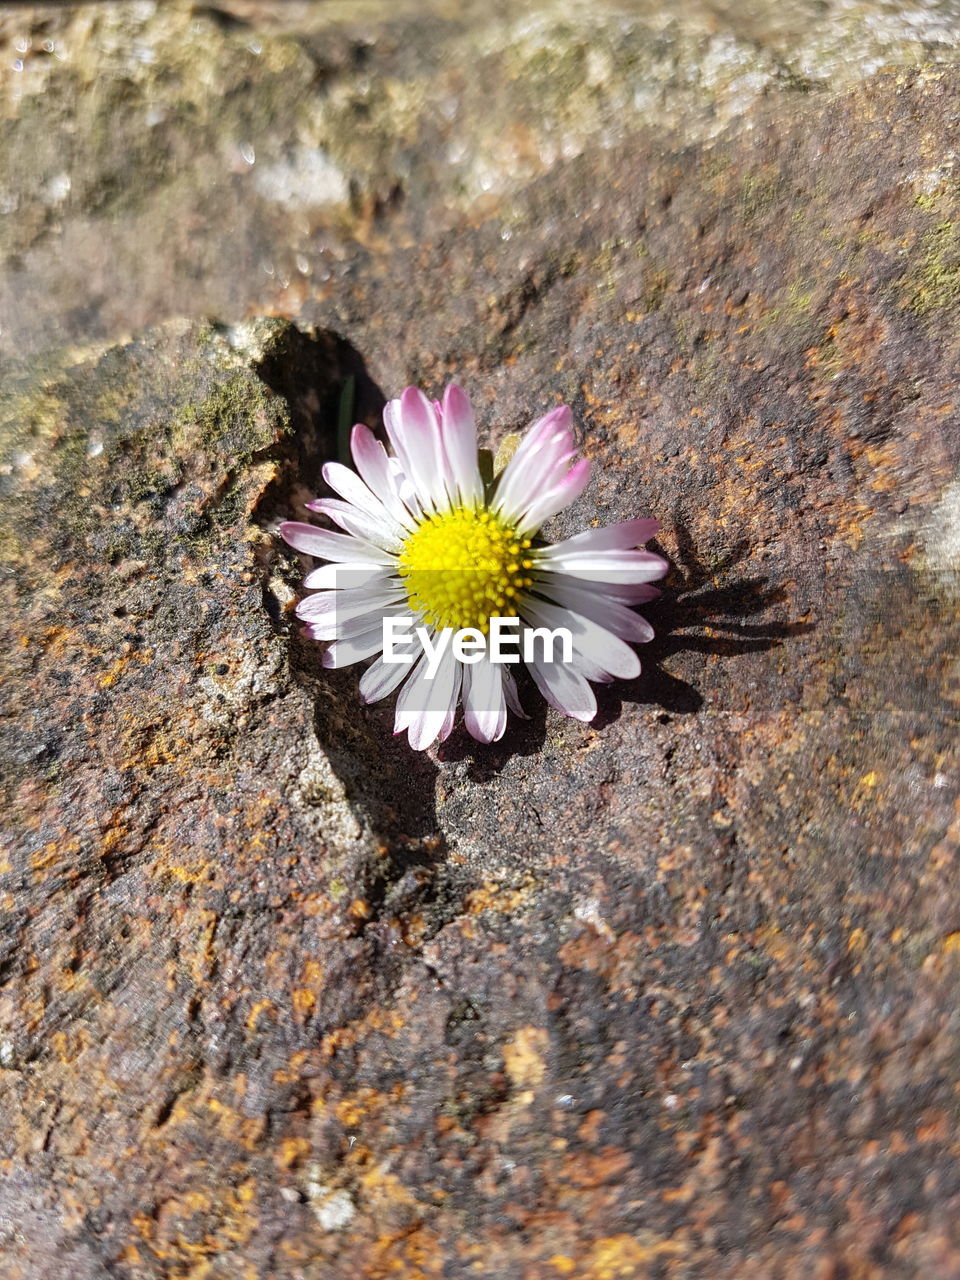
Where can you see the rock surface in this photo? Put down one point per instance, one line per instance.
(232, 158)
(671, 994)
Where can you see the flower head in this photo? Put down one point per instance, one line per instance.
(425, 538)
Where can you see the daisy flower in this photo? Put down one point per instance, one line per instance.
(425, 538)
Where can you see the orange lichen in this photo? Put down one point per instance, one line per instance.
(524, 1056)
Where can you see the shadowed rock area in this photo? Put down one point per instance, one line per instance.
(672, 994)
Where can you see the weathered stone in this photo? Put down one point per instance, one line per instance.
(252, 147)
(668, 994)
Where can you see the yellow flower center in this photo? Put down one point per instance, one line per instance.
(463, 567)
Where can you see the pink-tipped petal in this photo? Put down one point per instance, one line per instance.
(538, 464)
(344, 653)
(484, 703)
(380, 531)
(381, 678)
(565, 689)
(420, 429)
(459, 437)
(619, 537)
(343, 577)
(556, 498)
(373, 463)
(332, 546)
(617, 567)
(594, 601)
(423, 705)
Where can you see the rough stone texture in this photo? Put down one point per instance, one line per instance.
(230, 158)
(671, 994)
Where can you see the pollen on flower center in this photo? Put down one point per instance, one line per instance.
(463, 567)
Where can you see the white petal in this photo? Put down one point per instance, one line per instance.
(352, 603)
(411, 499)
(381, 678)
(565, 689)
(539, 462)
(458, 430)
(405, 709)
(352, 489)
(623, 536)
(379, 531)
(510, 694)
(579, 661)
(484, 704)
(336, 627)
(414, 430)
(548, 502)
(332, 546)
(635, 593)
(344, 653)
(594, 601)
(345, 577)
(424, 705)
(601, 650)
(451, 717)
(622, 567)
(374, 465)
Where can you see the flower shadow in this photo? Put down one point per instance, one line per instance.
(703, 610)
